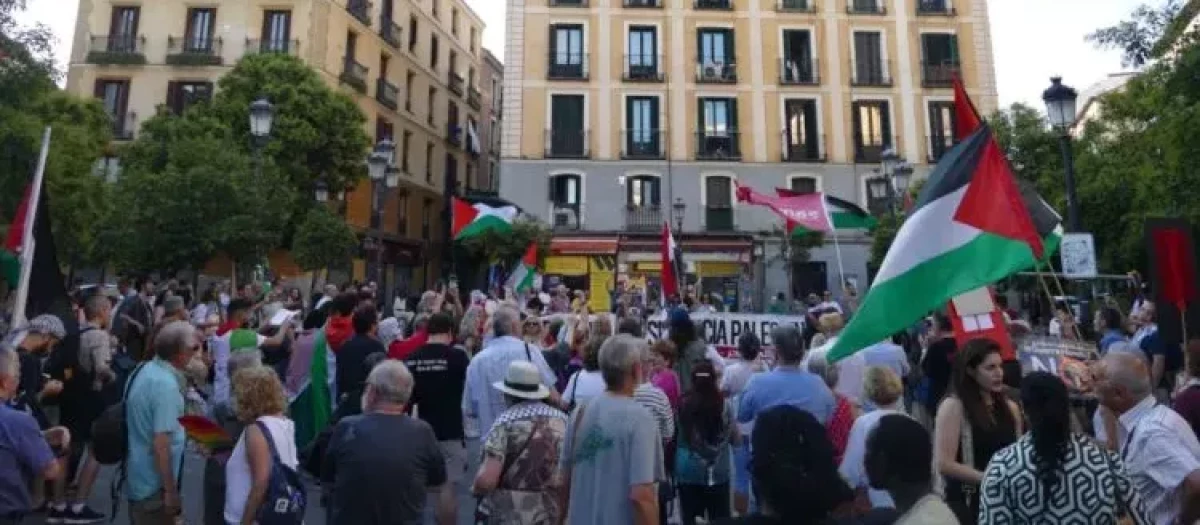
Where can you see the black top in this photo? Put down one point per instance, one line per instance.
(439, 376)
(351, 363)
(937, 367)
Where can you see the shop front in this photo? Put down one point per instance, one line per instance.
(583, 263)
(716, 266)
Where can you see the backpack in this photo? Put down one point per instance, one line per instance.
(110, 431)
(285, 499)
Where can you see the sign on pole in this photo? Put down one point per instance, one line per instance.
(1078, 252)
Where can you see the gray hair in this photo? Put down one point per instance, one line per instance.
(1128, 370)
(504, 319)
(818, 363)
(788, 343)
(10, 363)
(174, 337)
(391, 382)
(243, 359)
(618, 356)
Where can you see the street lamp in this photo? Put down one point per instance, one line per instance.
(678, 210)
(1060, 110)
(384, 177)
(262, 115)
(321, 192)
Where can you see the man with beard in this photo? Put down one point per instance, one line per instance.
(32, 344)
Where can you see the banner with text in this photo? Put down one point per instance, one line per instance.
(721, 330)
(1064, 358)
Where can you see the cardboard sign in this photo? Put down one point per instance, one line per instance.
(1064, 358)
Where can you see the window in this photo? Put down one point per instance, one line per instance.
(454, 21)
(565, 190)
(114, 94)
(471, 77)
(870, 68)
(453, 62)
(495, 136)
(351, 45)
(803, 185)
(435, 8)
(384, 61)
(429, 163)
(642, 137)
(718, 204)
(453, 184)
(433, 51)
(123, 29)
(471, 43)
(409, 79)
(276, 31)
(566, 51)
(801, 141)
(383, 129)
(426, 218)
(642, 191)
(941, 129)
(453, 127)
(412, 34)
(201, 24)
(402, 214)
(717, 136)
(494, 177)
(939, 59)
(471, 182)
(405, 145)
(497, 92)
(182, 95)
(567, 137)
(798, 63)
(432, 104)
(872, 129)
(642, 63)
(715, 55)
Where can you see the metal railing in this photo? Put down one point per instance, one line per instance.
(454, 82)
(287, 47)
(194, 51)
(719, 219)
(566, 144)
(938, 146)
(391, 32)
(567, 66)
(808, 149)
(796, 6)
(802, 72)
(870, 73)
(647, 217)
(122, 126)
(354, 74)
(939, 74)
(718, 145)
(117, 49)
(713, 4)
(568, 3)
(934, 7)
(709, 72)
(474, 98)
(866, 7)
(642, 68)
(642, 144)
(387, 93)
(873, 153)
(360, 9)
(642, 3)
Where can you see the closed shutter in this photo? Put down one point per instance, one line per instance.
(174, 98)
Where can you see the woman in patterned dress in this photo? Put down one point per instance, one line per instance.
(517, 479)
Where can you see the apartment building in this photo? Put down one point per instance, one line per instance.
(413, 67)
(492, 84)
(624, 114)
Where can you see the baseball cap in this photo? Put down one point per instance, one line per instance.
(48, 324)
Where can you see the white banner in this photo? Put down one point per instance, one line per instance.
(720, 330)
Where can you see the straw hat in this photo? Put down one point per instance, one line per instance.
(524, 381)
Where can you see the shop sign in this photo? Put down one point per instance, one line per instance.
(566, 265)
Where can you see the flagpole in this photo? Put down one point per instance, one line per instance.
(27, 243)
(837, 245)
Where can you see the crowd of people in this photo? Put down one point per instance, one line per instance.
(542, 413)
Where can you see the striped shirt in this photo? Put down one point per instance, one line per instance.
(655, 400)
(1160, 451)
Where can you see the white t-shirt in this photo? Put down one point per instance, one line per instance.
(238, 477)
(591, 384)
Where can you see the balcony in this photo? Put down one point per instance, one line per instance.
(642, 68)
(803, 149)
(474, 98)
(391, 32)
(354, 75)
(123, 126)
(454, 82)
(803, 72)
(286, 47)
(866, 7)
(387, 93)
(718, 145)
(718, 219)
(194, 51)
(642, 4)
(117, 50)
(360, 9)
(934, 8)
(796, 6)
(870, 73)
(567, 144)
(939, 74)
(938, 146)
(568, 3)
(642, 144)
(873, 153)
(567, 66)
(708, 72)
(713, 4)
(644, 218)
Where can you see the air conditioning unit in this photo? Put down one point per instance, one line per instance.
(564, 217)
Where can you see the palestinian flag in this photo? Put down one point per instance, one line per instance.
(845, 214)
(312, 406)
(47, 289)
(525, 271)
(10, 259)
(970, 227)
(471, 220)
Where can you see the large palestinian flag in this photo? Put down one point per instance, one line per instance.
(47, 289)
(309, 382)
(970, 227)
(471, 220)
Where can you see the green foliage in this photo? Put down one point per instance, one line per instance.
(1146, 34)
(322, 240)
(505, 248)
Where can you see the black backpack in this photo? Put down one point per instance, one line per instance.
(285, 499)
(110, 431)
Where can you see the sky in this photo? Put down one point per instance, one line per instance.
(1032, 40)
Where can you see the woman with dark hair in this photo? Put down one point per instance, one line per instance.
(974, 422)
(1052, 472)
(795, 479)
(935, 368)
(1112, 328)
(706, 430)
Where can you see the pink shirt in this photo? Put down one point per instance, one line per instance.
(668, 381)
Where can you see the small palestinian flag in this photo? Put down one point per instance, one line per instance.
(845, 214)
(471, 220)
(525, 271)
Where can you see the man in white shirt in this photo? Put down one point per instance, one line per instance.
(1159, 448)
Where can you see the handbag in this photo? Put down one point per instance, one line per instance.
(482, 512)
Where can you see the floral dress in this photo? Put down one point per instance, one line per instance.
(527, 439)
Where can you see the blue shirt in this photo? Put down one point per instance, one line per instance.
(155, 405)
(786, 386)
(23, 455)
(1110, 337)
(481, 402)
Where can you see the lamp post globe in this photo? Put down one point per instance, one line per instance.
(1060, 104)
(262, 115)
(377, 166)
(388, 149)
(678, 209)
(878, 186)
(321, 192)
(392, 179)
(902, 177)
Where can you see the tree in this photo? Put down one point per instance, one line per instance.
(1147, 33)
(322, 240)
(504, 248)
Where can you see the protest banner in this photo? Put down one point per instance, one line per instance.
(721, 330)
(1064, 358)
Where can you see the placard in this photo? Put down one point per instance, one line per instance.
(1078, 252)
(1065, 358)
(721, 330)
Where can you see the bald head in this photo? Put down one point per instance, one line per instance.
(1122, 380)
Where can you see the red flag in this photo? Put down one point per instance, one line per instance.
(804, 210)
(672, 258)
(966, 118)
(1176, 284)
(16, 229)
(980, 318)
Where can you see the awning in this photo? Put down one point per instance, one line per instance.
(584, 245)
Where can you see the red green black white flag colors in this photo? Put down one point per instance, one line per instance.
(525, 271)
(30, 259)
(471, 220)
(672, 264)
